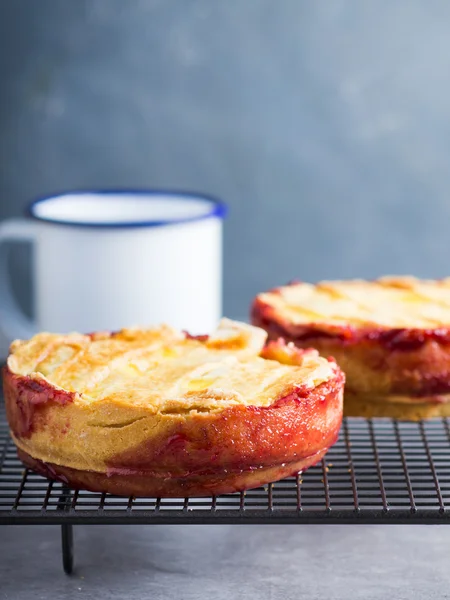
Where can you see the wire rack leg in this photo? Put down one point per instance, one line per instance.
(66, 533)
(67, 547)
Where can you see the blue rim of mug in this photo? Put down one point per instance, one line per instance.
(218, 208)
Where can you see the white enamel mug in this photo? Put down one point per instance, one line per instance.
(107, 260)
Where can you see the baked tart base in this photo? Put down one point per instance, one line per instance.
(140, 484)
(161, 413)
(390, 336)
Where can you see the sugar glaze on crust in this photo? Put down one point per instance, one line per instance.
(390, 336)
(158, 412)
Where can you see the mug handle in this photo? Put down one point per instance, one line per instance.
(13, 322)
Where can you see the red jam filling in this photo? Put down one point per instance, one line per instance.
(401, 339)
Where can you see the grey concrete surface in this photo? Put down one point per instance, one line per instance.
(323, 124)
(228, 562)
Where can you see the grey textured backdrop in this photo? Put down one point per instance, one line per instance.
(325, 125)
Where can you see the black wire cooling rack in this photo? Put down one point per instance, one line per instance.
(379, 471)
